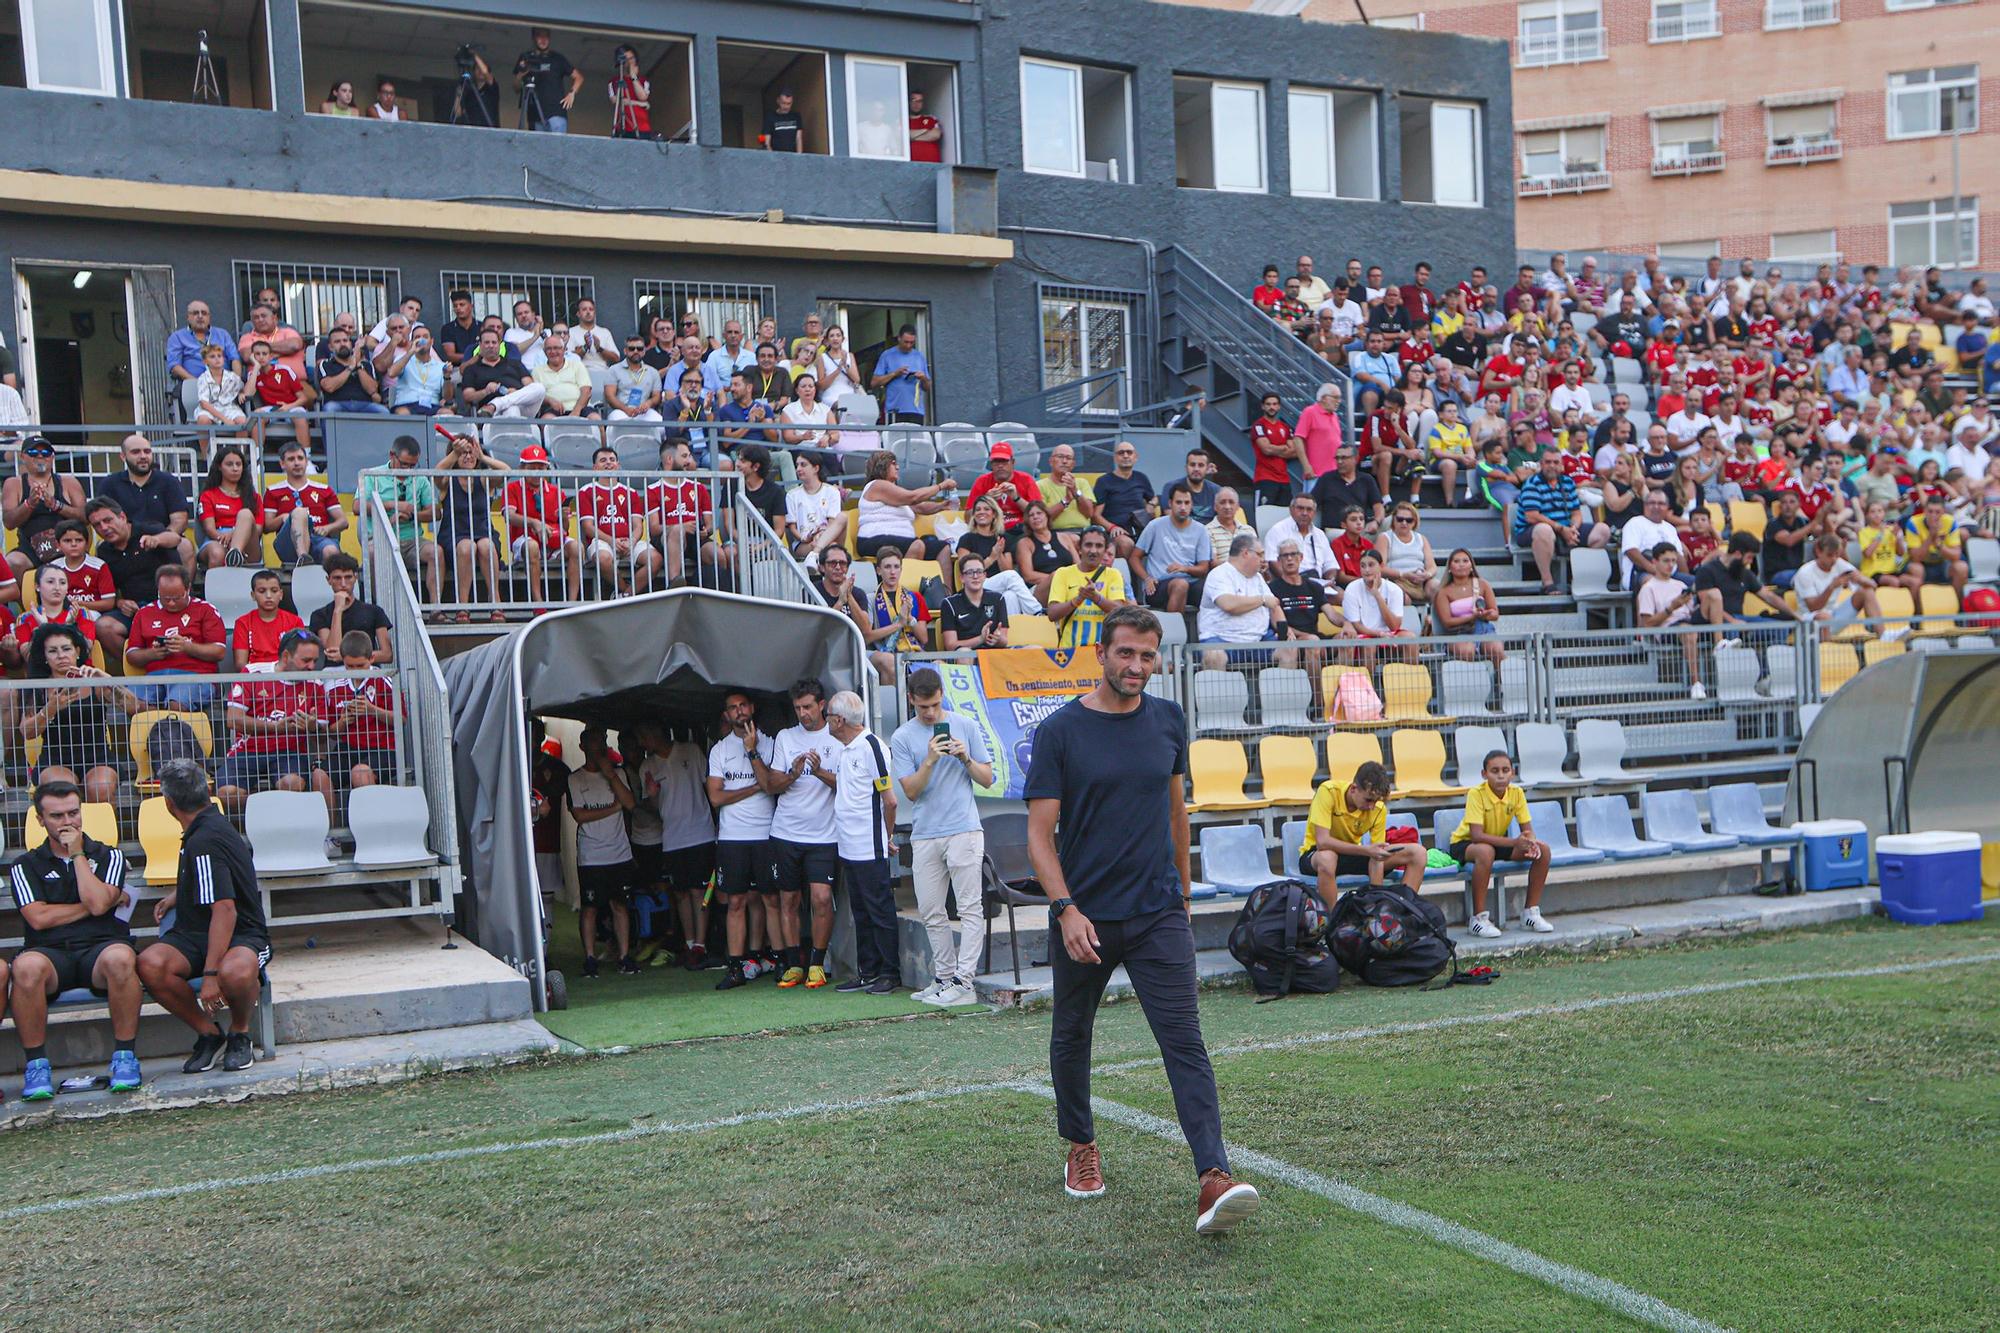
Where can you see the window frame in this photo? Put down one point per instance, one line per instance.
(1562, 141)
(1127, 304)
(1325, 97)
(849, 63)
(1653, 36)
(1262, 110)
(1478, 113)
(1967, 210)
(1074, 72)
(1829, 256)
(108, 17)
(1559, 10)
(1937, 90)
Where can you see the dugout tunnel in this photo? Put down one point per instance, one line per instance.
(1908, 744)
(664, 657)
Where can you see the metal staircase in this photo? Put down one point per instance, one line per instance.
(1214, 341)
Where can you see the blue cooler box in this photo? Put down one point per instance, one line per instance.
(1929, 877)
(1835, 854)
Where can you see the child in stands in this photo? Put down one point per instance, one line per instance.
(1347, 833)
(258, 633)
(1493, 810)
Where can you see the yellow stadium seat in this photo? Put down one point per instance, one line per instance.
(350, 536)
(1419, 757)
(916, 571)
(1747, 516)
(160, 839)
(1031, 632)
(1896, 603)
(1406, 695)
(1287, 764)
(1938, 599)
(1218, 769)
(1876, 650)
(1837, 666)
(1349, 750)
(142, 727)
(1329, 684)
(100, 821)
(926, 524)
(1718, 516)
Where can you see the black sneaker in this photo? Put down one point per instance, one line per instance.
(732, 979)
(241, 1054)
(853, 984)
(590, 966)
(882, 986)
(627, 966)
(207, 1046)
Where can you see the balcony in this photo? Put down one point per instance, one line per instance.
(1685, 28)
(1570, 182)
(1801, 152)
(1800, 13)
(1687, 164)
(1561, 48)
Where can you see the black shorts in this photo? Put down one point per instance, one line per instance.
(688, 869)
(801, 863)
(647, 870)
(746, 867)
(194, 948)
(1157, 598)
(261, 772)
(870, 547)
(602, 886)
(75, 963)
(1938, 573)
(1343, 864)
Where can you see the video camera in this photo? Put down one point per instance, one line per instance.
(466, 57)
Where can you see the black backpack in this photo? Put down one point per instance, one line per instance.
(1388, 936)
(1280, 938)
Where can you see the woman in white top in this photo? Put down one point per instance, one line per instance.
(813, 513)
(887, 517)
(384, 106)
(837, 373)
(1407, 560)
(808, 422)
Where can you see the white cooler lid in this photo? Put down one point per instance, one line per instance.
(1933, 841)
(1830, 828)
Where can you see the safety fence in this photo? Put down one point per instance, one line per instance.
(92, 464)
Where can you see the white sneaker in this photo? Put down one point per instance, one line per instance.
(1697, 691)
(927, 992)
(1891, 635)
(1532, 919)
(1483, 927)
(963, 993)
(1731, 642)
(948, 995)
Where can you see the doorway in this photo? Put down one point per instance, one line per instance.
(93, 341)
(871, 330)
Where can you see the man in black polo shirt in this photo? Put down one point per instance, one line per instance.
(1107, 775)
(149, 496)
(1125, 499)
(782, 124)
(72, 898)
(1347, 487)
(458, 341)
(134, 554)
(218, 932)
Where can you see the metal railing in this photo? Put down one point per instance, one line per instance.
(769, 571)
(1688, 164)
(1808, 150)
(1102, 393)
(1800, 13)
(1573, 182)
(92, 464)
(1560, 48)
(1685, 27)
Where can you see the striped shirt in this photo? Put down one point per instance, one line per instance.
(44, 876)
(1554, 500)
(215, 868)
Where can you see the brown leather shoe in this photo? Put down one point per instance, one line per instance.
(1223, 1203)
(1083, 1177)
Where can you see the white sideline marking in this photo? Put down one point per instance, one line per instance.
(1575, 1281)
(638, 1132)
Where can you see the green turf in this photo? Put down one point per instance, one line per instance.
(669, 1003)
(1813, 1155)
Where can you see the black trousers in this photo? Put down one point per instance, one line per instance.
(1157, 952)
(872, 899)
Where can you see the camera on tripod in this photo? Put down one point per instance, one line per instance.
(466, 57)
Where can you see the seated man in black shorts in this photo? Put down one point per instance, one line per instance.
(72, 897)
(1344, 813)
(217, 931)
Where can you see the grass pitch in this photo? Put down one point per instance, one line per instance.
(1808, 1155)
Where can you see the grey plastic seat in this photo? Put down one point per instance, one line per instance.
(1472, 744)
(310, 590)
(1604, 823)
(1283, 695)
(1267, 518)
(228, 591)
(1671, 817)
(506, 437)
(1553, 829)
(287, 832)
(391, 827)
(1233, 858)
(1984, 641)
(1600, 750)
(1736, 675)
(1466, 688)
(1781, 660)
(1984, 559)
(1737, 808)
(1543, 748)
(1220, 698)
(571, 445)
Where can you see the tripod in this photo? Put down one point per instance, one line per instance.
(206, 92)
(531, 95)
(468, 96)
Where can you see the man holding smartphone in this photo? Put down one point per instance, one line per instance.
(937, 759)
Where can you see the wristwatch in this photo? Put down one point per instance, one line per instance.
(1059, 906)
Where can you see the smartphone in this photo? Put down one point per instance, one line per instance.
(941, 729)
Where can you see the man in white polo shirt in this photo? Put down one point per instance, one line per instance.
(745, 875)
(1237, 606)
(598, 799)
(802, 774)
(864, 822)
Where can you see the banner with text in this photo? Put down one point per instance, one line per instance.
(992, 693)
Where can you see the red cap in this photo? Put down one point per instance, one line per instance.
(534, 453)
(1002, 450)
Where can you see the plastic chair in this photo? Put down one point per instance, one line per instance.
(391, 827)
(1347, 751)
(1600, 751)
(1542, 749)
(1881, 650)
(1419, 758)
(506, 437)
(1981, 641)
(1268, 517)
(1737, 808)
(1173, 629)
(310, 590)
(1897, 603)
(1937, 599)
(1217, 769)
(1031, 632)
(1604, 823)
(1590, 575)
(1291, 837)
(1736, 675)
(1553, 829)
(571, 444)
(1837, 666)
(100, 821)
(1406, 695)
(228, 591)
(1671, 817)
(1468, 688)
(1233, 858)
(287, 832)
(1782, 662)
(142, 728)
(1471, 745)
(1284, 696)
(1287, 764)
(1220, 698)
(160, 839)
(1747, 516)
(916, 571)
(1984, 559)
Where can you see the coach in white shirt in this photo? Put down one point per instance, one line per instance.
(1967, 454)
(1297, 525)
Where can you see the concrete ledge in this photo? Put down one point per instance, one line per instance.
(1635, 927)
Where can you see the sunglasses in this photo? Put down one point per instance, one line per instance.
(39, 452)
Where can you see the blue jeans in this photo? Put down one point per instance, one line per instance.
(556, 124)
(185, 698)
(287, 549)
(372, 409)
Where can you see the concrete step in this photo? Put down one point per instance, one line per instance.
(1576, 930)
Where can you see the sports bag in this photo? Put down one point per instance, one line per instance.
(1280, 938)
(1355, 700)
(1388, 936)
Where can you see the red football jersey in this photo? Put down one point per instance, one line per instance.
(261, 636)
(197, 621)
(316, 498)
(89, 581)
(678, 502)
(221, 508)
(540, 500)
(610, 505)
(25, 627)
(275, 701)
(1271, 467)
(367, 732)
